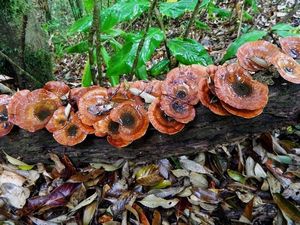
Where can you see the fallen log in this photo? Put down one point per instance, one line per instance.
(206, 131)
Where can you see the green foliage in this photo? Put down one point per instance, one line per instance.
(87, 80)
(122, 61)
(285, 30)
(188, 51)
(176, 9)
(160, 67)
(201, 25)
(233, 47)
(81, 47)
(253, 4)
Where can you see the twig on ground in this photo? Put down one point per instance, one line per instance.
(191, 21)
(241, 19)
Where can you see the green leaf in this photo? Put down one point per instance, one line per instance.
(282, 26)
(81, 47)
(142, 73)
(21, 165)
(253, 4)
(81, 25)
(87, 75)
(114, 80)
(105, 55)
(236, 176)
(88, 5)
(119, 12)
(122, 61)
(247, 16)
(223, 13)
(233, 47)
(115, 44)
(188, 51)
(160, 67)
(287, 207)
(176, 9)
(201, 25)
(286, 30)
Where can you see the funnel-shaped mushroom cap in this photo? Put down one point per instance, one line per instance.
(58, 120)
(71, 134)
(257, 55)
(57, 87)
(132, 118)
(85, 128)
(76, 93)
(35, 110)
(287, 67)
(177, 109)
(209, 100)
(161, 121)
(248, 114)
(17, 101)
(291, 46)
(236, 88)
(5, 125)
(108, 127)
(93, 105)
(181, 83)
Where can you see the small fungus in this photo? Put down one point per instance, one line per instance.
(57, 87)
(291, 46)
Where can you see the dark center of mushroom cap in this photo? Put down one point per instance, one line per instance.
(127, 120)
(113, 127)
(44, 110)
(178, 107)
(181, 94)
(242, 89)
(294, 53)
(72, 130)
(3, 114)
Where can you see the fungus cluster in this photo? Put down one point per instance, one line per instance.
(122, 114)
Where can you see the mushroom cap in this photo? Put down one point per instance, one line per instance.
(152, 87)
(181, 83)
(177, 109)
(76, 93)
(132, 118)
(85, 128)
(92, 105)
(35, 110)
(287, 67)
(248, 114)
(209, 100)
(18, 100)
(71, 134)
(256, 55)
(235, 87)
(5, 125)
(58, 120)
(161, 121)
(57, 87)
(291, 46)
(121, 94)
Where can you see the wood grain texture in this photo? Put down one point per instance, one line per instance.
(207, 130)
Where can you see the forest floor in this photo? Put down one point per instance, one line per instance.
(233, 184)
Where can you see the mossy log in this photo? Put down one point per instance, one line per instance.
(206, 131)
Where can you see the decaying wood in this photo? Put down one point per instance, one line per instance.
(206, 131)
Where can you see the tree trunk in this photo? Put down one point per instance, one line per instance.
(206, 131)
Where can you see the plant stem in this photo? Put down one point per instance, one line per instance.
(140, 46)
(98, 43)
(196, 10)
(162, 27)
(241, 19)
(20, 69)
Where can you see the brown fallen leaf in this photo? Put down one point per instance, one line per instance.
(287, 207)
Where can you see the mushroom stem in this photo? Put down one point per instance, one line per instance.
(68, 110)
(147, 97)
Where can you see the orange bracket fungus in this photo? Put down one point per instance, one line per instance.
(5, 125)
(122, 114)
(291, 46)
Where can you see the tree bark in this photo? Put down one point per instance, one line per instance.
(206, 131)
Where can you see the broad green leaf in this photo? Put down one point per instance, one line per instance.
(188, 51)
(247, 16)
(176, 9)
(142, 73)
(223, 13)
(16, 162)
(160, 67)
(287, 207)
(233, 47)
(115, 44)
(105, 55)
(81, 25)
(88, 5)
(286, 30)
(282, 26)
(122, 61)
(81, 47)
(114, 80)
(87, 80)
(201, 25)
(284, 33)
(119, 12)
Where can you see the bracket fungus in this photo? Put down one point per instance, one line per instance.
(235, 87)
(291, 46)
(5, 125)
(32, 110)
(122, 114)
(161, 122)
